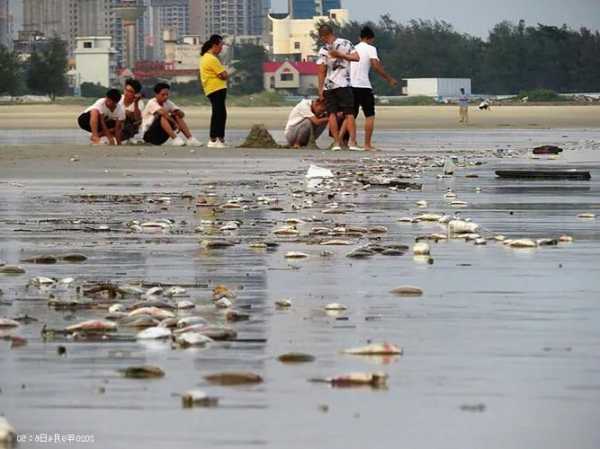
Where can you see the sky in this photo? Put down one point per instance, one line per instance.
(475, 16)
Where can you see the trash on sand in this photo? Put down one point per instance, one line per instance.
(154, 333)
(8, 434)
(450, 165)
(234, 378)
(143, 372)
(296, 357)
(259, 137)
(223, 303)
(421, 249)
(407, 290)
(198, 398)
(314, 171)
(375, 349)
(93, 326)
(374, 380)
(547, 149)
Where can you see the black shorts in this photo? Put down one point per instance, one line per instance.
(130, 128)
(84, 122)
(339, 100)
(364, 98)
(156, 135)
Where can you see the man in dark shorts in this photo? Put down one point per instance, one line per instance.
(361, 84)
(133, 105)
(104, 119)
(334, 84)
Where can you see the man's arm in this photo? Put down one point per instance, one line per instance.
(137, 113)
(322, 76)
(119, 131)
(318, 120)
(378, 68)
(352, 57)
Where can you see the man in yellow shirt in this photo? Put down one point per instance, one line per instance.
(214, 82)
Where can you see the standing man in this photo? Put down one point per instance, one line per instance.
(463, 107)
(361, 84)
(132, 103)
(334, 84)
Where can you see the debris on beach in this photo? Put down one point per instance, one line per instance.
(407, 290)
(373, 380)
(260, 137)
(375, 349)
(198, 398)
(234, 378)
(143, 372)
(8, 434)
(12, 269)
(296, 357)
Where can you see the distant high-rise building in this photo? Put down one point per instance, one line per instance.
(228, 17)
(5, 24)
(162, 16)
(307, 9)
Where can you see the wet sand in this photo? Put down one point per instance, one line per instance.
(405, 117)
(501, 351)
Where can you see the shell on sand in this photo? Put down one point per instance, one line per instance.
(375, 349)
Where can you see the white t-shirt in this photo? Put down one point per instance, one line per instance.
(131, 107)
(150, 110)
(100, 105)
(338, 70)
(301, 111)
(359, 71)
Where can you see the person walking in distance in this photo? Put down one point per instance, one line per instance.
(361, 84)
(334, 84)
(463, 107)
(214, 82)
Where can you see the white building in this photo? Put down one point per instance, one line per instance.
(292, 38)
(95, 61)
(436, 87)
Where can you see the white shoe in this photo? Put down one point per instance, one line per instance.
(193, 142)
(336, 148)
(178, 142)
(355, 148)
(221, 144)
(213, 144)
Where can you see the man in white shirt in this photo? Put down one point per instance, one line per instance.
(162, 118)
(132, 103)
(463, 107)
(361, 84)
(334, 84)
(104, 119)
(308, 117)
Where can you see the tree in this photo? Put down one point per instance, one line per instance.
(48, 68)
(247, 64)
(10, 72)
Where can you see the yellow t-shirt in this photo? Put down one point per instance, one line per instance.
(210, 67)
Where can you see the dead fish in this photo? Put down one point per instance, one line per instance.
(12, 269)
(188, 339)
(258, 245)
(407, 290)
(458, 203)
(74, 258)
(154, 312)
(132, 290)
(547, 242)
(565, 239)
(8, 323)
(421, 203)
(587, 216)
(295, 255)
(197, 398)
(173, 292)
(360, 253)
(234, 378)
(154, 333)
(153, 303)
(230, 226)
(392, 252)
(335, 306)
(236, 315)
(45, 260)
(287, 230)
(216, 244)
(93, 326)
(154, 291)
(429, 217)
(378, 230)
(296, 357)
(283, 303)
(223, 303)
(139, 321)
(480, 241)
(336, 242)
(374, 380)
(407, 220)
(219, 333)
(168, 323)
(143, 372)
(375, 349)
(462, 227)
(8, 434)
(523, 243)
(220, 291)
(40, 281)
(116, 308)
(185, 305)
(421, 249)
(190, 321)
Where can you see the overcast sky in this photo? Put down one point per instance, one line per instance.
(475, 16)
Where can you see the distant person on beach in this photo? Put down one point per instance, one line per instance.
(162, 119)
(104, 119)
(485, 106)
(463, 107)
(334, 84)
(214, 82)
(132, 103)
(308, 117)
(361, 84)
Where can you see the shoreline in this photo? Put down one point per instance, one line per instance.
(45, 117)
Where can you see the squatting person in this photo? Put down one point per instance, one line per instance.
(162, 119)
(132, 103)
(104, 119)
(308, 117)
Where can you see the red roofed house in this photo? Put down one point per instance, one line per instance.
(292, 77)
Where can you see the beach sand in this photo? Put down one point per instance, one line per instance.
(388, 117)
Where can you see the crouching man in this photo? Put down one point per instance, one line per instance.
(133, 105)
(306, 119)
(104, 118)
(162, 119)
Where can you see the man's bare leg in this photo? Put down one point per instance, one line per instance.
(333, 128)
(351, 125)
(166, 125)
(182, 126)
(95, 126)
(369, 128)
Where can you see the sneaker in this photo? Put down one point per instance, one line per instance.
(178, 142)
(336, 148)
(213, 144)
(355, 148)
(220, 144)
(193, 142)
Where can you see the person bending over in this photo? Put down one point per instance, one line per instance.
(334, 83)
(132, 103)
(162, 119)
(308, 117)
(104, 119)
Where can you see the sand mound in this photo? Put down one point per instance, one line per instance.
(260, 137)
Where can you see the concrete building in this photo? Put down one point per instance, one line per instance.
(95, 61)
(182, 55)
(436, 87)
(292, 38)
(307, 9)
(299, 78)
(228, 17)
(161, 16)
(5, 24)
